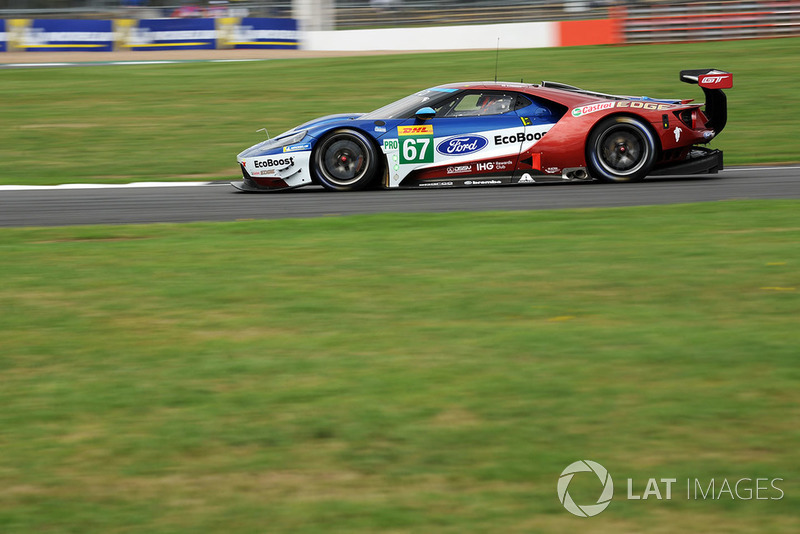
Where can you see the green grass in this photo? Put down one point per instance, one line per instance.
(188, 121)
(399, 373)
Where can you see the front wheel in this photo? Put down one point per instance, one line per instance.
(345, 160)
(621, 149)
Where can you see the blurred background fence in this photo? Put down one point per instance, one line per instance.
(640, 21)
(709, 21)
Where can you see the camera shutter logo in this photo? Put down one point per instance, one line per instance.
(586, 510)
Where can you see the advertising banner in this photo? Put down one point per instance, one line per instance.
(171, 34)
(259, 33)
(45, 35)
(3, 46)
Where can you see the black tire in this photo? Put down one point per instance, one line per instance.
(345, 160)
(621, 149)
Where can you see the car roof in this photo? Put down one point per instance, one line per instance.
(561, 93)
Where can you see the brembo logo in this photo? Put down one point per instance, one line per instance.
(465, 144)
(282, 162)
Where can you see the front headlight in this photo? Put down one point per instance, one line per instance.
(290, 138)
(285, 139)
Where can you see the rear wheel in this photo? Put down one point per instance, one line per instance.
(621, 149)
(345, 160)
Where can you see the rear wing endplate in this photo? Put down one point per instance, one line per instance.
(712, 81)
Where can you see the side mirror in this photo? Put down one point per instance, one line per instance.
(425, 113)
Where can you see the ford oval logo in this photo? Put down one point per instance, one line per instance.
(461, 144)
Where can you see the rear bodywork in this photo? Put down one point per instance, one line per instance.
(542, 138)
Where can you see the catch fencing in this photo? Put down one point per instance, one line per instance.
(708, 21)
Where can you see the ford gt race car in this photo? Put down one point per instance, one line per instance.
(491, 133)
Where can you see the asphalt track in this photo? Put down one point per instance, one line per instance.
(218, 201)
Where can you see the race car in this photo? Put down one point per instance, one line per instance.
(493, 133)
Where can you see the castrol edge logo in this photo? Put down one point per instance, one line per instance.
(635, 104)
(591, 108)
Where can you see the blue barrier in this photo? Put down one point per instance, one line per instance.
(265, 33)
(54, 35)
(171, 34)
(46, 35)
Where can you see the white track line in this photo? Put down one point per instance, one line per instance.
(130, 62)
(105, 186)
(37, 64)
(740, 169)
(222, 182)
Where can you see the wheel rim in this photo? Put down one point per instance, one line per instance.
(343, 161)
(622, 150)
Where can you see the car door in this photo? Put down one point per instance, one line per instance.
(475, 133)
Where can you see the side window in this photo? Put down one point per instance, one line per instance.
(477, 104)
(522, 102)
(468, 106)
(539, 109)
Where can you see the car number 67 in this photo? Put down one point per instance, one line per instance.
(417, 150)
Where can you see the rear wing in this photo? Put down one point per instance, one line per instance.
(708, 78)
(712, 81)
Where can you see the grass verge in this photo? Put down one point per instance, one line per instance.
(400, 373)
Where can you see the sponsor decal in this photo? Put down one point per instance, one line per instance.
(638, 104)
(423, 129)
(591, 108)
(518, 137)
(435, 184)
(459, 169)
(484, 167)
(483, 182)
(416, 145)
(462, 144)
(280, 162)
(294, 148)
(380, 129)
(526, 179)
(503, 165)
(526, 121)
(552, 170)
(677, 131)
(716, 81)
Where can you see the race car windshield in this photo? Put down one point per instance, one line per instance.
(408, 106)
